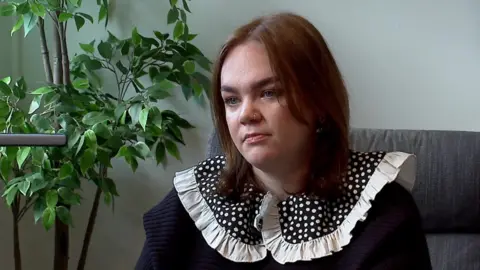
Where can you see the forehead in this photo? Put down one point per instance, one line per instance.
(245, 64)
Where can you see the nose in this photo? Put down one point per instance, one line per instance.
(249, 113)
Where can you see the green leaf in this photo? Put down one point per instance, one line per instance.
(160, 152)
(93, 118)
(68, 196)
(125, 151)
(178, 30)
(87, 160)
(80, 144)
(109, 186)
(136, 38)
(64, 215)
(143, 118)
(142, 149)
(36, 101)
(22, 155)
(102, 130)
(37, 182)
(79, 22)
(42, 90)
(38, 154)
(65, 171)
(119, 110)
(5, 89)
(102, 14)
(185, 6)
(189, 66)
(30, 21)
(172, 15)
(48, 218)
(64, 16)
(173, 3)
(11, 152)
(183, 16)
(172, 149)
(5, 167)
(105, 50)
(38, 208)
(104, 157)
(80, 83)
(17, 25)
(134, 112)
(7, 80)
(7, 9)
(132, 161)
(11, 193)
(73, 138)
(23, 8)
(88, 48)
(40, 122)
(121, 67)
(51, 197)
(23, 187)
(86, 16)
(38, 9)
(91, 139)
(18, 119)
(123, 118)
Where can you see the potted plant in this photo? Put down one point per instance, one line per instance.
(101, 124)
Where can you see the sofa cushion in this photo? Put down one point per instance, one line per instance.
(447, 188)
(454, 251)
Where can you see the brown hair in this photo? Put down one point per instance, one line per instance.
(300, 58)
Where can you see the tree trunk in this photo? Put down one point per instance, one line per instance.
(65, 59)
(45, 53)
(17, 255)
(61, 245)
(57, 59)
(89, 230)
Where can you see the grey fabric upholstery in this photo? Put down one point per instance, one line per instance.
(447, 189)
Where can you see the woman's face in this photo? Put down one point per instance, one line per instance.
(259, 121)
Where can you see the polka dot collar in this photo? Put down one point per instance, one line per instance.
(297, 228)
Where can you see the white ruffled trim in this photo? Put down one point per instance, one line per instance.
(215, 235)
(394, 166)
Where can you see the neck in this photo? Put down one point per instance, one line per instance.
(283, 182)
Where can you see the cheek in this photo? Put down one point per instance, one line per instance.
(232, 123)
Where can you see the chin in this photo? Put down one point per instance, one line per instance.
(259, 158)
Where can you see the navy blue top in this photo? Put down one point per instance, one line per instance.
(376, 226)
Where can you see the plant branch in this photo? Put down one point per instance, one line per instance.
(57, 59)
(45, 53)
(91, 222)
(16, 234)
(64, 49)
(28, 204)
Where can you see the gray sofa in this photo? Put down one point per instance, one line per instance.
(447, 190)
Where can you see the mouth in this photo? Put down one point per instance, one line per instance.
(255, 137)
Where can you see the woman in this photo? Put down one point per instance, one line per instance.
(288, 194)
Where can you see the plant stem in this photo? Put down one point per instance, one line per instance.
(57, 59)
(65, 59)
(44, 49)
(17, 255)
(60, 260)
(91, 222)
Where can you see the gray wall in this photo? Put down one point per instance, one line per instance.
(407, 64)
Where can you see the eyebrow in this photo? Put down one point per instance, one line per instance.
(256, 85)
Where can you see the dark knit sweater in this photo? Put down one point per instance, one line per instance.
(390, 237)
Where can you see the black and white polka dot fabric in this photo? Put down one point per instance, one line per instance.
(301, 218)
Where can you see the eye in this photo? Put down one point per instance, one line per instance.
(230, 101)
(269, 93)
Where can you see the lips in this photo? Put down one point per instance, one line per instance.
(255, 136)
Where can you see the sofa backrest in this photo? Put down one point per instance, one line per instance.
(447, 189)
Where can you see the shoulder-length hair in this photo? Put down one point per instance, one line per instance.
(300, 58)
